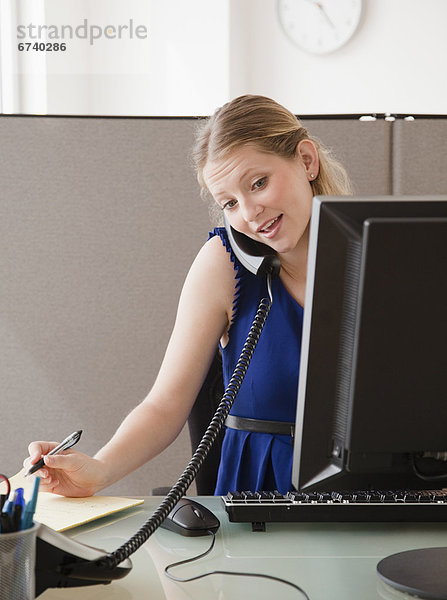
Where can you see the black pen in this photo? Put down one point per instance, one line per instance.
(6, 517)
(6, 525)
(70, 441)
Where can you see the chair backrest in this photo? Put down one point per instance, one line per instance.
(203, 410)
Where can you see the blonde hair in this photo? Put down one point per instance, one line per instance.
(269, 127)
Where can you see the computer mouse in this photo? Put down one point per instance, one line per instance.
(190, 518)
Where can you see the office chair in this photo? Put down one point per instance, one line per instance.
(201, 414)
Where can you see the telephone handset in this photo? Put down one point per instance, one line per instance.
(258, 258)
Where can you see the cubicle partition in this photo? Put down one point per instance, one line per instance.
(100, 219)
(419, 156)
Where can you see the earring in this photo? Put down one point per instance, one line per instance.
(312, 175)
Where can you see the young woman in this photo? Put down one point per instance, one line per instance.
(262, 169)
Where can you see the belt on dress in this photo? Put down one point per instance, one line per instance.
(260, 426)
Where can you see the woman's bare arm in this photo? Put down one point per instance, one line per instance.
(203, 316)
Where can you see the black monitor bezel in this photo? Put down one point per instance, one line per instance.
(313, 468)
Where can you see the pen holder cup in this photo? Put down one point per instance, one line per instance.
(17, 564)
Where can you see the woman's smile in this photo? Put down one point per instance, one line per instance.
(271, 228)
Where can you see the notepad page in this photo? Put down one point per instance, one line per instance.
(61, 513)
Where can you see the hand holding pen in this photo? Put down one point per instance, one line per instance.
(67, 473)
(70, 441)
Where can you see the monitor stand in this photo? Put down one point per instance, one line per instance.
(420, 573)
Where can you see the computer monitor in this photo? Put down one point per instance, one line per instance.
(372, 398)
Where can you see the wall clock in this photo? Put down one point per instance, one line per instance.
(319, 27)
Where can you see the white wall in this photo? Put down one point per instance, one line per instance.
(181, 68)
(167, 74)
(394, 63)
(200, 53)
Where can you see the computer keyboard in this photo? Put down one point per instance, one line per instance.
(259, 508)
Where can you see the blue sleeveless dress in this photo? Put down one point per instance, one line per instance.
(260, 461)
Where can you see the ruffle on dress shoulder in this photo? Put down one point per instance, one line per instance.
(238, 267)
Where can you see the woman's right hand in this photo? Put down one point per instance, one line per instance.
(70, 473)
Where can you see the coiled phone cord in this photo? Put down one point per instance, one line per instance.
(113, 559)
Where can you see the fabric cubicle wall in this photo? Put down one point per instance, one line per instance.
(100, 220)
(364, 147)
(420, 156)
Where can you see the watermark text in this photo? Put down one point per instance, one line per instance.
(84, 31)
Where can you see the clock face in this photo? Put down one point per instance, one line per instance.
(319, 26)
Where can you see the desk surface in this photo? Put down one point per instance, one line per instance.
(330, 561)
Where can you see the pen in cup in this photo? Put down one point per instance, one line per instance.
(19, 507)
(30, 507)
(8, 507)
(6, 524)
(11, 515)
(70, 441)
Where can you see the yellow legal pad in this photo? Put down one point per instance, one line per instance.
(62, 513)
